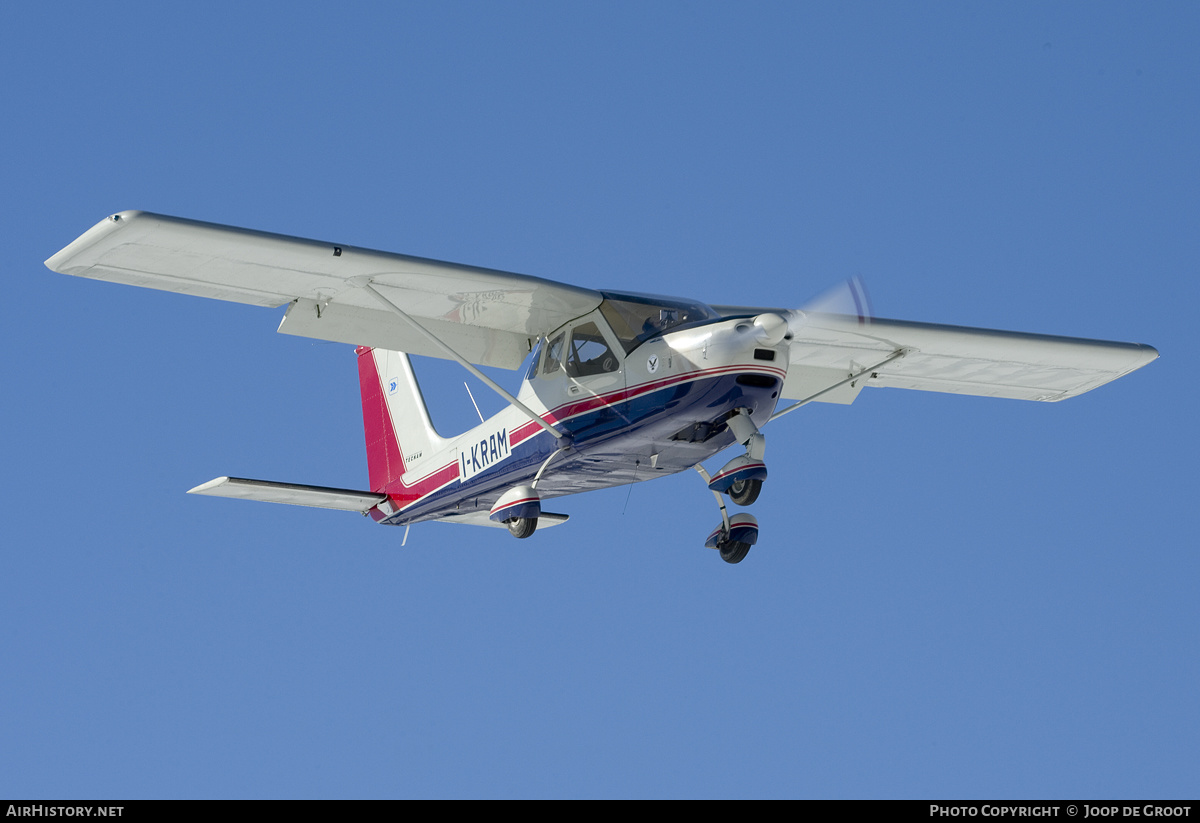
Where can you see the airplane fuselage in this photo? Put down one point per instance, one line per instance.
(658, 409)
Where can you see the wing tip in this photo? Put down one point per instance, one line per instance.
(207, 488)
(60, 261)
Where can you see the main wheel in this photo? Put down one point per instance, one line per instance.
(745, 492)
(732, 552)
(521, 526)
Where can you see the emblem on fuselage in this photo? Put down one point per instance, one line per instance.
(482, 454)
(652, 363)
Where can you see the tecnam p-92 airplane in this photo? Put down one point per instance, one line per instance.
(619, 388)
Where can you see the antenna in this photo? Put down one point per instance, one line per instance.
(473, 403)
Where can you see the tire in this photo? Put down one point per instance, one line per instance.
(745, 492)
(732, 552)
(521, 527)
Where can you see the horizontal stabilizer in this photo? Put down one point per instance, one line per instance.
(480, 518)
(266, 491)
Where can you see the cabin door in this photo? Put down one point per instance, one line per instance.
(583, 377)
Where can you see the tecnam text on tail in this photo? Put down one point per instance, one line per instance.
(618, 388)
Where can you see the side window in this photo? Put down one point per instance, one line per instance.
(553, 355)
(589, 352)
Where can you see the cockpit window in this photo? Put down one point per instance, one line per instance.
(635, 318)
(589, 352)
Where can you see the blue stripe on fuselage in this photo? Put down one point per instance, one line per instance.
(603, 429)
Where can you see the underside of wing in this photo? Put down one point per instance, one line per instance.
(825, 349)
(489, 317)
(953, 359)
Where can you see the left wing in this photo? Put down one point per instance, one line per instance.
(489, 317)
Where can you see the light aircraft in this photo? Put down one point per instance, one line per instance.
(619, 387)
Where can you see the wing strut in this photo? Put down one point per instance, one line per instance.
(896, 355)
(365, 283)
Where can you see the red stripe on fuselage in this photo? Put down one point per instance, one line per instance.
(405, 494)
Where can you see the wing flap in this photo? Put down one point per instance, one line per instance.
(492, 313)
(374, 327)
(804, 381)
(294, 494)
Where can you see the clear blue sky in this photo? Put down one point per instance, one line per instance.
(951, 597)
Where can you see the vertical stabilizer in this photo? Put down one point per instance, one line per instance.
(399, 433)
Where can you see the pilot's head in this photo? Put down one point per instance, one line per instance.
(665, 319)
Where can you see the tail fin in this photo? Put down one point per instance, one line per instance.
(398, 430)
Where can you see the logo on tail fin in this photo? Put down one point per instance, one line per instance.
(399, 434)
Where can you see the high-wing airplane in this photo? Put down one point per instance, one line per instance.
(618, 388)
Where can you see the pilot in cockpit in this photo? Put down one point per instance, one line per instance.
(657, 324)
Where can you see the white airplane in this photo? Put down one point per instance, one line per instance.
(618, 388)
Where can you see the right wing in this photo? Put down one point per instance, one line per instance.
(491, 318)
(961, 360)
(826, 348)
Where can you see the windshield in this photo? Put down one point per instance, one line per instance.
(635, 318)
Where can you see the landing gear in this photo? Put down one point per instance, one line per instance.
(744, 492)
(523, 527)
(741, 478)
(518, 508)
(734, 537)
(732, 552)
